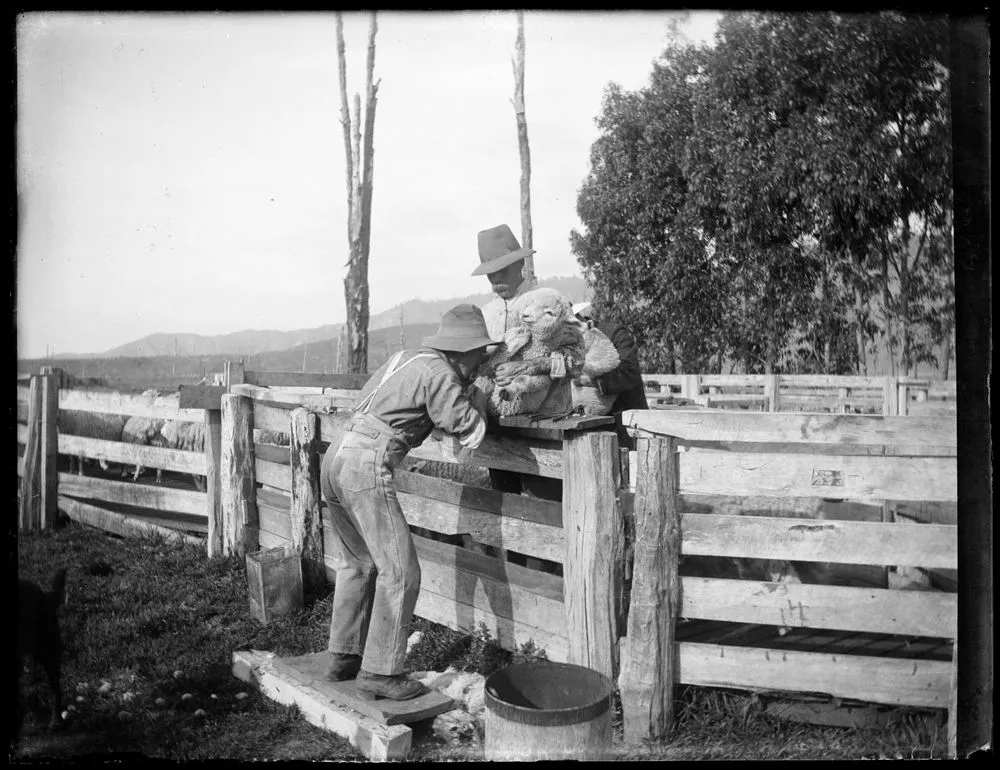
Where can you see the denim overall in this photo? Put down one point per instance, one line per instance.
(378, 575)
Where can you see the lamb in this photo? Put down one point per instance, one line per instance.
(547, 324)
(600, 357)
(144, 431)
(188, 437)
(107, 427)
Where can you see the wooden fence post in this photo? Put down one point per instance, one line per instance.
(234, 373)
(213, 481)
(771, 392)
(307, 526)
(29, 513)
(691, 386)
(239, 503)
(903, 399)
(890, 396)
(594, 528)
(49, 449)
(648, 666)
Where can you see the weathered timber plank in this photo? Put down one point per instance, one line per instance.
(318, 402)
(273, 454)
(133, 454)
(271, 540)
(377, 742)
(201, 397)
(781, 507)
(878, 610)
(875, 680)
(648, 653)
(48, 453)
(594, 527)
(462, 559)
(213, 479)
(843, 431)
(273, 520)
(705, 471)
(525, 537)
(273, 474)
(506, 601)
(516, 506)
(155, 498)
(537, 457)
(162, 407)
(841, 542)
(22, 434)
(310, 669)
(307, 379)
(467, 618)
(24, 392)
(280, 501)
(332, 427)
(119, 524)
(271, 417)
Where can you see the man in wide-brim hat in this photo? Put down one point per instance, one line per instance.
(378, 575)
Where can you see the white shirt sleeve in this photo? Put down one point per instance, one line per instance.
(474, 437)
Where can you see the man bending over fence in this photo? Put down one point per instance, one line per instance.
(378, 575)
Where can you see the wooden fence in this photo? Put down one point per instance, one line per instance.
(820, 393)
(710, 483)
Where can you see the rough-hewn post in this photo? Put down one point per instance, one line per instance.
(902, 399)
(594, 529)
(239, 503)
(307, 526)
(213, 480)
(49, 450)
(771, 387)
(691, 386)
(890, 396)
(28, 514)
(648, 661)
(234, 374)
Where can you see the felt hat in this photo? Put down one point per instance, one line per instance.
(498, 248)
(462, 328)
(584, 310)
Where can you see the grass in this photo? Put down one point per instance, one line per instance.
(150, 627)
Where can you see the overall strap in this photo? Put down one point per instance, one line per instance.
(393, 367)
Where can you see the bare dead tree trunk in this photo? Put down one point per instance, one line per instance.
(360, 173)
(522, 143)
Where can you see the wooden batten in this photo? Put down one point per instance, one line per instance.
(325, 402)
(537, 457)
(306, 524)
(120, 524)
(239, 509)
(875, 610)
(273, 454)
(648, 652)
(895, 682)
(156, 498)
(271, 417)
(332, 427)
(849, 434)
(840, 542)
(160, 407)
(876, 478)
(275, 475)
(307, 379)
(178, 460)
(594, 529)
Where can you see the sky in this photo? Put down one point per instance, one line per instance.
(185, 172)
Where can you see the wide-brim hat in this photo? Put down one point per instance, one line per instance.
(462, 328)
(498, 248)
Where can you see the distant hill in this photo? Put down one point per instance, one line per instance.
(259, 342)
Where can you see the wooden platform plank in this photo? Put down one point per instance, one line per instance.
(377, 741)
(310, 669)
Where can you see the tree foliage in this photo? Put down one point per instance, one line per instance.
(781, 199)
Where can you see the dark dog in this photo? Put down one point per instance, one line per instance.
(38, 634)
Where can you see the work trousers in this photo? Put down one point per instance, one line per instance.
(378, 575)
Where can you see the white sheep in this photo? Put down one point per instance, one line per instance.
(107, 427)
(188, 437)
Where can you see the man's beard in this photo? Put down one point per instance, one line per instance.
(502, 290)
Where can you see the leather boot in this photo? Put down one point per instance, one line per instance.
(393, 687)
(342, 666)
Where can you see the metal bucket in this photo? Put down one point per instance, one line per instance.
(274, 579)
(547, 711)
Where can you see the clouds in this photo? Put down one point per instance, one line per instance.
(185, 172)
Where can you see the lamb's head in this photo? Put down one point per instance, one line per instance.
(546, 312)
